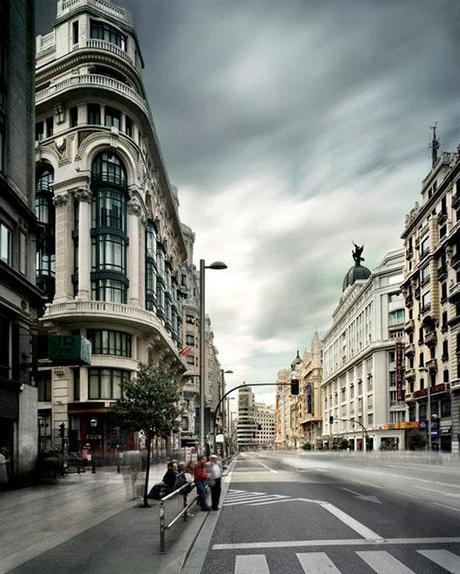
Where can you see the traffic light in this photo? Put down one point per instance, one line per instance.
(294, 387)
(331, 419)
(61, 430)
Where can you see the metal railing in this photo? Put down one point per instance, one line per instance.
(185, 490)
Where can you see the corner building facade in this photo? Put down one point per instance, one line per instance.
(112, 249)
(359, 387)
(432, 294)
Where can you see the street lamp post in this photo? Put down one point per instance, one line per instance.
(93, 424)
(216, 265)
(222, 412)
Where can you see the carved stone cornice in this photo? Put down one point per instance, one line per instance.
(82, 194)
(134, 207)
(61, 199)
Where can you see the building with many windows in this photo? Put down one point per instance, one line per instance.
(360, 391)
(20, 299)
(246, 426)
(113, 248)
(432, 297)
(309, 401)
(286, 409)
(264, 416)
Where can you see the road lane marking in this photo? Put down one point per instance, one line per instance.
(349, 521)
(449, 494)
(317, 563)
(273, 502)
(384, 563)
(267, 467)
(260, 499)
(251, 564)
(447, 506)
(409, 495)
(337, 542)
(447, 560)
(368, 498)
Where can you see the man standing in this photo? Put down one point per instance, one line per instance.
(214, 469)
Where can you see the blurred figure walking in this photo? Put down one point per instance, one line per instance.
(214, 469)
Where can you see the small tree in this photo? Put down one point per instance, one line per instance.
(150, 403)
(417, 440)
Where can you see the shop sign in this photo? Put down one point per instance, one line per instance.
(433, 389)
(69, 350)
(399, 374)
(403, 425)
(309, 398)
(93, 437)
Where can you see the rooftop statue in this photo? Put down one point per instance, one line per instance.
(357, 254)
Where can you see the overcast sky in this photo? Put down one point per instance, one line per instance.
(292, 128)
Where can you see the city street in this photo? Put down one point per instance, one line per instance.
(289, 513)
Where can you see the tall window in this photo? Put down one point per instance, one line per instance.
(5, 243)
(161, 282)
(104, 342)
(112, 118)
(94, 114)
(107, 383)
(45, 212)
(150, 267)
(103, 31)
(44, 386)
(109, 238)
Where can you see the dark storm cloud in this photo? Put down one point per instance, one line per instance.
(292, 128)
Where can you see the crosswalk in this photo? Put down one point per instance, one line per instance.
(249, 498)
(380, 561)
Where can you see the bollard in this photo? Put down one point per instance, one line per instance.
(162, 527)
(93, 465)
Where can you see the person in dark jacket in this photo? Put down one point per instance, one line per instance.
(169, 478)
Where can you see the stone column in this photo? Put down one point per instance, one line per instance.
(134, 212)
(83, 197)
(63, 233)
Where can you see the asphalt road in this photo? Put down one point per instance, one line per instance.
(288, 513)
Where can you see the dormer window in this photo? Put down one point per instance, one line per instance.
(103, 31)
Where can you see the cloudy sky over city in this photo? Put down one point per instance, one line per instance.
(292, 128)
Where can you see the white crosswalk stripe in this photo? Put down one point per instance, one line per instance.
(251, 564)
(240, 497)
(381, 562)
(448, 560)
(317, 563)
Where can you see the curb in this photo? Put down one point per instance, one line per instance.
(198, 550)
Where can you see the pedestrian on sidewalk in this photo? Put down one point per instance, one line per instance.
(131, 466)
(201, 478)
(214, 469)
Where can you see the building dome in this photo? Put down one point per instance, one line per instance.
(297, 360)
(358, 272)
(355, 273)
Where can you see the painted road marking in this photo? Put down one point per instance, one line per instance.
(337, 542)
(447, 506)
(447, 560)
(368, 498)
(251, 564)
(384, 563)
(317, 563)
(259, 499)
(267, 467)
(364, 531)
(408, 495)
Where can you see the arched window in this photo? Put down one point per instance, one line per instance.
(46, 245)
(109, 238)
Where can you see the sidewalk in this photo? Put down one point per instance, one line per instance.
(86, 523)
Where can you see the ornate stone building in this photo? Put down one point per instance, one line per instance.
(20, 299)
(113, 248)
(432, 295)
(359, 388)
(309, 401)
(286, 410)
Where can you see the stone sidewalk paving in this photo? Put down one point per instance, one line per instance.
(83, 524)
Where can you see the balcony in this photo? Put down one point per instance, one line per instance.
(409, 350)
(430, 338)
(432, 364)
(95, 44)
(454, 291)
(97, 311)
(114, 10)
(409, 325)
(410, 373)
(92, 81)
